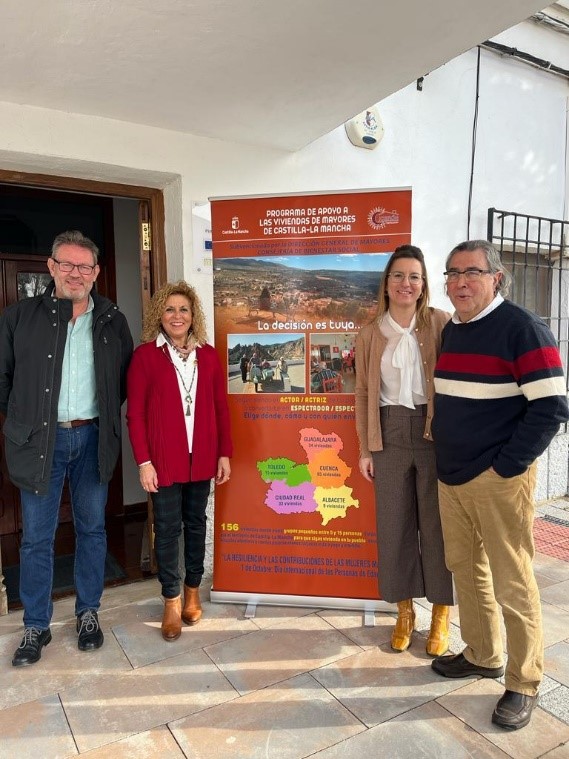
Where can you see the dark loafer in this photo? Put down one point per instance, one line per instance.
(90, 633)
(513, 710)
(458, 666)
(29, 650)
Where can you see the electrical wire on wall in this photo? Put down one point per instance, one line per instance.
(565, 238)
(474, 130)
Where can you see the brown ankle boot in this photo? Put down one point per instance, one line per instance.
(172, 618)
(192, 611)
(401, 635)
(437, 642)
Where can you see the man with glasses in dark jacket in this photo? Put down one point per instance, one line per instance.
(63, 362)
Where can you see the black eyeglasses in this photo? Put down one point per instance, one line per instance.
(67, 267)
(469, 274)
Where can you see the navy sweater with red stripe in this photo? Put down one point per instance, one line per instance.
(500, 394)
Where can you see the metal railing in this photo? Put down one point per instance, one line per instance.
(535, 250)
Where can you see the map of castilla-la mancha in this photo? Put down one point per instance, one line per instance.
(319, 485)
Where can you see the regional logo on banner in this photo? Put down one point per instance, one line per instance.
(295, 278)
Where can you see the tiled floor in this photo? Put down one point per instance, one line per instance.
(287, 684)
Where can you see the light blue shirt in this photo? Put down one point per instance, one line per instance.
(78, 393)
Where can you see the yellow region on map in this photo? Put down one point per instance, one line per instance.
(334, 502)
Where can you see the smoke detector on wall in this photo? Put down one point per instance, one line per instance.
(366, 129)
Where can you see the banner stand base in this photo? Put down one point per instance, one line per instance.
(251, 600)
(369, 618)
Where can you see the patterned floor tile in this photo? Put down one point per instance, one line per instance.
(152, 744)
(557, 662)
(36, 729)
(143, 643)
(352, 625)
(555, 624)
(474, 705)
(557, 595)
(428, 731)
(379, 684)
(265, 657)
(290, 720)
(556, 702)
(61, 666)
(118, 705)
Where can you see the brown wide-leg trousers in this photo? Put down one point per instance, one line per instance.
(409, 534)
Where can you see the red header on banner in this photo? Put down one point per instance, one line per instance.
(312, 224)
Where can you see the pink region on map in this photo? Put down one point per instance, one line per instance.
(291, 500)
(314, 442)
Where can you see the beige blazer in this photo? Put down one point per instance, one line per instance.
(370, 344)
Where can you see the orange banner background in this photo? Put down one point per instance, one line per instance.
(296, 517)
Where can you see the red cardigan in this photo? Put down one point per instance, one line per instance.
(155, 416)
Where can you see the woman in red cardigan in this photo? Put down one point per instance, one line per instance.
(178, 424)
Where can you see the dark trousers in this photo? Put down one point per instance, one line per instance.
(409, 534)
(181, 503)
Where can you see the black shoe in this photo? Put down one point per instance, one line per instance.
(513, 710)
(90, 634)
(29, 650)
(458, 666)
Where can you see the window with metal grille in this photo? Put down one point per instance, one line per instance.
(535, 250)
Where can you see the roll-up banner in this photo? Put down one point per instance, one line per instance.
(295, 277)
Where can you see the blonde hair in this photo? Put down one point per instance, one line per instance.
(151, 324)
(423, 315)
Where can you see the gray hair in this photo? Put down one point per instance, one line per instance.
(493, 261)
(74, 237)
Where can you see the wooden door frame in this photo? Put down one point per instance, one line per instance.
(155, 199)
(152, 195)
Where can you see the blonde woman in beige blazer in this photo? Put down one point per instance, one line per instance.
(395, 358)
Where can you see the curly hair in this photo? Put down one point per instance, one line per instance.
(153, 316)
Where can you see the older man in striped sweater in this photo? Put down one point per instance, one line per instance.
(500, 398)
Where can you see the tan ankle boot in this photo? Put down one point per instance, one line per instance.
(401, 635)
(192, 611)
(172, 618)
(437, 642)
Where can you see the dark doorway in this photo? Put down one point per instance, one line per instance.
(30, 218)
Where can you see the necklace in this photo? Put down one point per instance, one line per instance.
(187, 390)
(183, 351)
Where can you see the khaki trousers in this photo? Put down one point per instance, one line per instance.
(488, 534)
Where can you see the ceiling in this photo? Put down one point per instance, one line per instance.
(263, 72)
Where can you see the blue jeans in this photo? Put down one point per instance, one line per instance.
(75, 456)
(181, 503)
